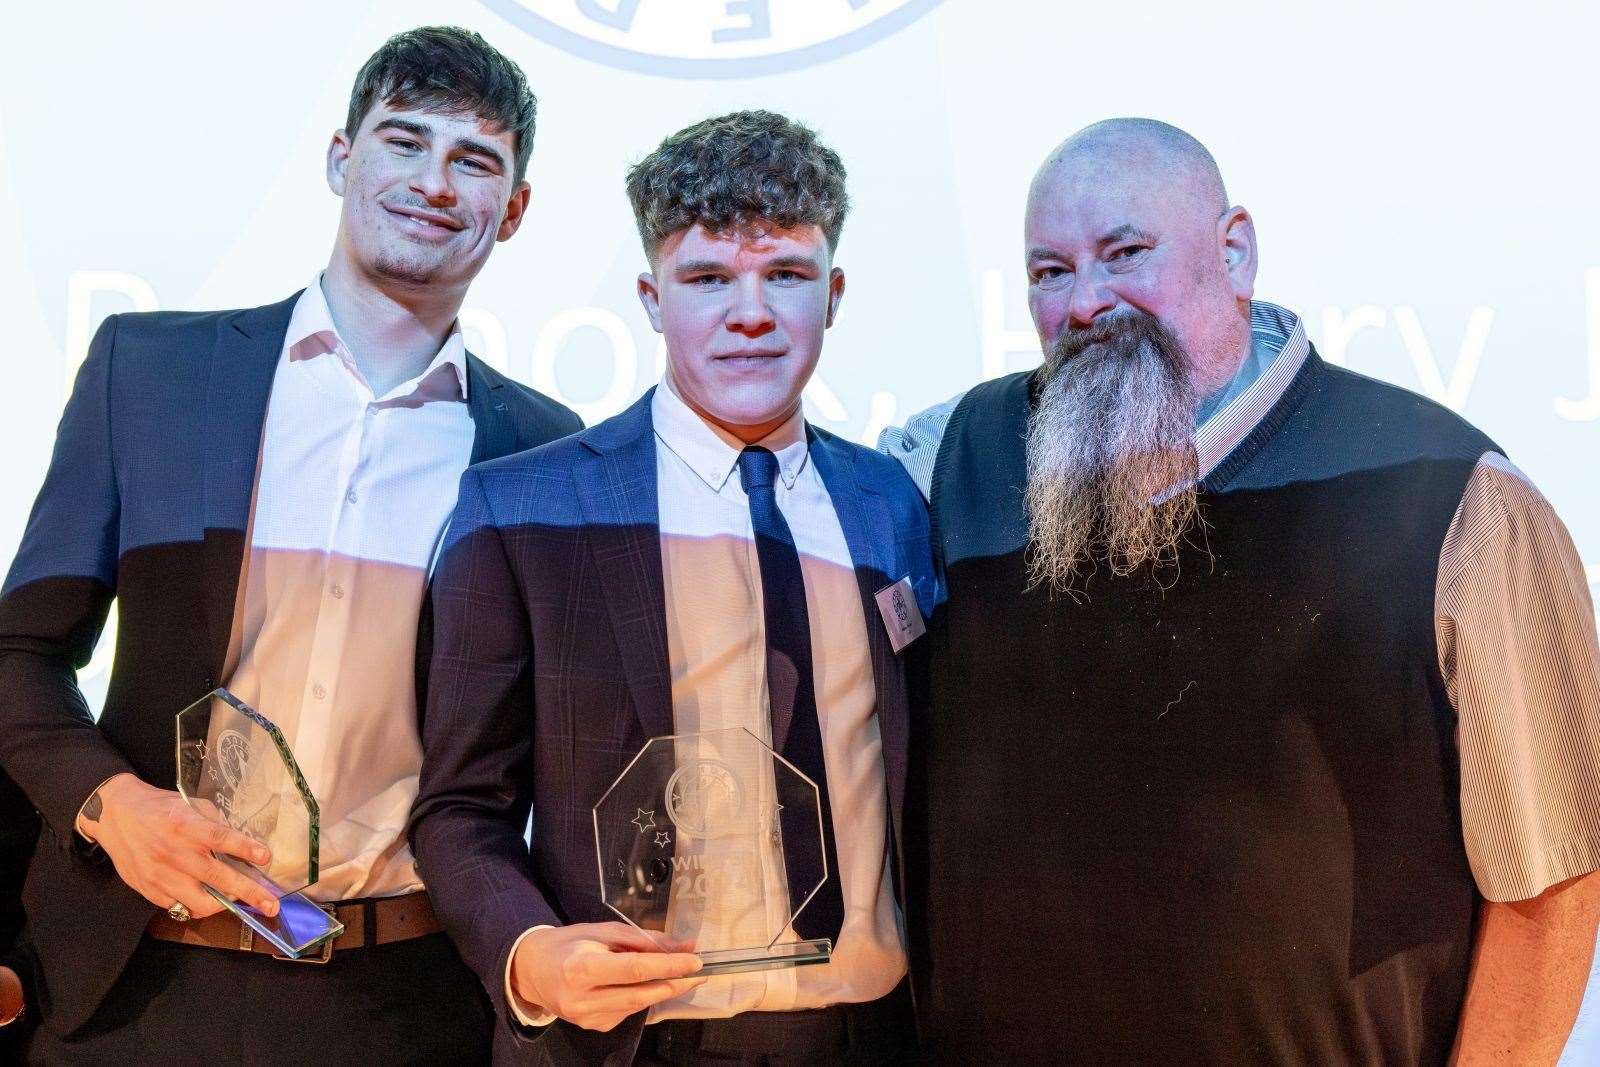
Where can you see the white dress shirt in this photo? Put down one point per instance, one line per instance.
(351, 498)
(717, 651)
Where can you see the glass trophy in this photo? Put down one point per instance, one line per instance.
(714, 838)
(234, 767)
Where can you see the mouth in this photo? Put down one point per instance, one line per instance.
(749, 359)
(1078, 347)
(424, 221)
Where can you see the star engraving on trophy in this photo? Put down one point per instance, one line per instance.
(663, 839)
(645, 820)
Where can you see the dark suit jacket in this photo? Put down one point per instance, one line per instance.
(550, 672)
(147, 501)
(19, 829)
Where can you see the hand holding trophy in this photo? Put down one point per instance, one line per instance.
(235, 768)
(714, 838)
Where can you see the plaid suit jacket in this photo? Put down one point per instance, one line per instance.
(550, 672)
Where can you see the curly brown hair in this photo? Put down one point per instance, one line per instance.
(737, 171)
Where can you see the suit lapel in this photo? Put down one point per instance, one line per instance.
(240, 380)
(870, 535)
(616, 489)
(493, 434)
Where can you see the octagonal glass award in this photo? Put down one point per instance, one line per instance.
(234, 767)
(714, 838)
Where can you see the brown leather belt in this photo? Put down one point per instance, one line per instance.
(375, 921)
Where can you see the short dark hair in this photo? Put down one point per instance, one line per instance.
(448, 69)
(736, 170)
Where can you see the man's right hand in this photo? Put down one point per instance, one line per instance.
(163, 849)
(595, 975)
(12, 1001)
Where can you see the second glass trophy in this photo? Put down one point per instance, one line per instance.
(234, 767)
(715, 838)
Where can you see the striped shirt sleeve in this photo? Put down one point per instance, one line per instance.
(1517, 648)
(916, 444)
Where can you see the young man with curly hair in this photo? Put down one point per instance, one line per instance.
(706, 560)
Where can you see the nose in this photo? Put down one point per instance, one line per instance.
(750, 313)
(431, 180)
(1090, 299)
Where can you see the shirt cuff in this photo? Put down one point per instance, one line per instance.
(526, 1013)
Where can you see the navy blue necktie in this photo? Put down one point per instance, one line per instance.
(791, 688)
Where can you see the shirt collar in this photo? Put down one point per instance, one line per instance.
(312, 333)
(1278, 349)
(712, 452)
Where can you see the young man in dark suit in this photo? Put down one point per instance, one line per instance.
(704, 561)
(262, 492)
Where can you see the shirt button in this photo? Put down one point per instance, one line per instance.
(350, 496)
(338, 592)
(318, 691)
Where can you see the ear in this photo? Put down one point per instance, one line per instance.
(835, 293)
(515, 208)
(650, 297)
(338, 159)
(1236, 236)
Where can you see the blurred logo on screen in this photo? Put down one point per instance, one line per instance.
(711, 38)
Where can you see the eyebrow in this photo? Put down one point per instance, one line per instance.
(702, 266)
(1127, 231)
(466, 144)
(793, 261)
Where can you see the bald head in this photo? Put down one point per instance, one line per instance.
(1144, 151)
(1131, 214)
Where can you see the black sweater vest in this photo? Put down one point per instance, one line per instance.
(1215, 819)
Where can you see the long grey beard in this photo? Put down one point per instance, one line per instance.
(1112, 435)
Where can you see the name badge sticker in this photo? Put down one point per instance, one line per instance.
(902, 618)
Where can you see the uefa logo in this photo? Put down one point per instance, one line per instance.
(704, 799)
(711, 38)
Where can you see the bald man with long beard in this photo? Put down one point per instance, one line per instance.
(1263, 717)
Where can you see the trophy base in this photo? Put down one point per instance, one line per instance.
(298, 930)
(765, 957)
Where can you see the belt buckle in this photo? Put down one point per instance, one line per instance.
(324, 951)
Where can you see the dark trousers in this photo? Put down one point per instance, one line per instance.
(850, 1035)
(408, 1002)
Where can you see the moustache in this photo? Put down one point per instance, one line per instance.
(1120, 336)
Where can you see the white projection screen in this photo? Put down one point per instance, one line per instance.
(1422, 176)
